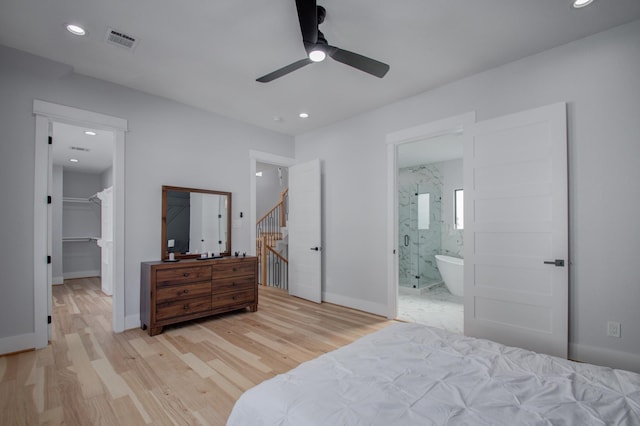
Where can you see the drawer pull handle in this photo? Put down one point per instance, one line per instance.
(186, 306)
(233, 284)
(185, 291)
(234, 269)
(186, 274)
(234, 297)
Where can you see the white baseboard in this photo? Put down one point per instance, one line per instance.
(359, 304)
(80, 274)
(604, 356)
(57, 280)
(19, 343)
(131, 322)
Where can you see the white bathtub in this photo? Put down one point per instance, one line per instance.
(452, 271)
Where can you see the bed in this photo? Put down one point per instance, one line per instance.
(410, 374)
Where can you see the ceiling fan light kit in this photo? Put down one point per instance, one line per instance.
(310, 16)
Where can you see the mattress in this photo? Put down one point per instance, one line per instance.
(409, 374)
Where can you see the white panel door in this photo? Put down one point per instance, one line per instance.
(305, 260)
(516, 227)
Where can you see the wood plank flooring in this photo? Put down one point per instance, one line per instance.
(189, 375)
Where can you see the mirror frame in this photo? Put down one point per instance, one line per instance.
(164, 251)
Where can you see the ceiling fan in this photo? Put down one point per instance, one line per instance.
(311, 16)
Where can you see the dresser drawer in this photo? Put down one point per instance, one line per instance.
(182, 307)
(233, 269)
(228, 299)
(183, 275)
(223, 285)
(184, 291)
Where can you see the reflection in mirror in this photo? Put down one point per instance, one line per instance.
(195, 221)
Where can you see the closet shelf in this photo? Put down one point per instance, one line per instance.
(78, 239)
(93, 199)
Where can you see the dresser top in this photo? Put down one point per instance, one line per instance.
(193, 262)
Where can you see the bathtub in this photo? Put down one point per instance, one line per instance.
(452, 271)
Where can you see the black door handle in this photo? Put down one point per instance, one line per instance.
(315, 248)
(557, 262)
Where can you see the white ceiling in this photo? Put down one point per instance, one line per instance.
(209, 53)
(94, 156)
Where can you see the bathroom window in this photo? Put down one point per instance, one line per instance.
(458, 208)
(423, 211)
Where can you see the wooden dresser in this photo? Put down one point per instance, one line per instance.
(189, 289)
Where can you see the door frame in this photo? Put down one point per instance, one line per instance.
(262, 157)
(46, 113)
(455, 124)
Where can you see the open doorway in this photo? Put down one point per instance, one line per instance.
(82, 216)
(425, 219)
(430, 231)
(46, 114)
(272, 238)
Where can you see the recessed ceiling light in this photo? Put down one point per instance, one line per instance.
(317, 55)
(258, 173)
(76, 30)
(581, 3)
(73, 160)
(303, 115)
(90, 133)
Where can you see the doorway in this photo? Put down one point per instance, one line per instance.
(272, 232)
(46, 115)
(430, 175)
(424, 172)
(82, 219)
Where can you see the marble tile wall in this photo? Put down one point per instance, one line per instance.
(418, 247)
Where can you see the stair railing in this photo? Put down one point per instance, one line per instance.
(273, 269)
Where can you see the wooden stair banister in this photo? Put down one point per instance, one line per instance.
(268, 233)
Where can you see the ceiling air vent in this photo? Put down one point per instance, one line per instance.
(79, 148)
(120, 39)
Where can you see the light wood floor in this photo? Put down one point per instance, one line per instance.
(190, 374)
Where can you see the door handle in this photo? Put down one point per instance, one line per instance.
(315, 248)
(557, 262)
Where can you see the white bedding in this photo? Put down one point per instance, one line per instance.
(409, 374)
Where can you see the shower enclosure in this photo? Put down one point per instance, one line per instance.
(419, 228)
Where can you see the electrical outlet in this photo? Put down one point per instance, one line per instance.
(613, 329)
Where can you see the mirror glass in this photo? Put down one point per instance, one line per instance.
(195, 221)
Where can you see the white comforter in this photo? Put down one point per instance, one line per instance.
(409, 374)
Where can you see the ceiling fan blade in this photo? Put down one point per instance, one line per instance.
(284, 70)
(308, 17)
(368, 65)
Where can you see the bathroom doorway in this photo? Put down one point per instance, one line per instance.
(430, 224)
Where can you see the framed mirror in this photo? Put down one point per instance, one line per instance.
(195, 221)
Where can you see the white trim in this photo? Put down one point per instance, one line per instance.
(604, 356)
(40, 219)
(132, 321)
(263, 157)
(45, 113)
(359, 304)
(77, 116)
(18, 343)
(57, 280)
(434, 129)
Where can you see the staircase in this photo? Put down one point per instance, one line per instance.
(272, 246)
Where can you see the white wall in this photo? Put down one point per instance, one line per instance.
(167, 143)
(268, 188)
(599, 78)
